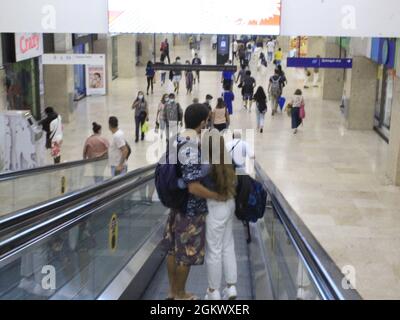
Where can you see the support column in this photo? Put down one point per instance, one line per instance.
(333, 78)
(104, 46)
(393, 170)
(126, 56)
(59, 81)
(361, 94)
(3, 93)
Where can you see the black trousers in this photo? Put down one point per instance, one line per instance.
(150, 83)
(139, 121)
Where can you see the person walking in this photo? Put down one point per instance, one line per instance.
(189, 79)
(275, 91)
(228, 77)
(95, 147)
(165, 49)
(261, 103)
(118, 151)
(207, 103)
(235, 47)
(249, 83)
(242, 56)
(160, 117)
(150, 76)
(270, 50)
(220, 116)
(298, 112)
(163, 72)
(220, 245)
(141, 114)
(228, 97)
(173, 115)
(52, 125)
(197, 61)
(278, 57)
(177, 75)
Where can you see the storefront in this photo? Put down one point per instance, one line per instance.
(82, 44)
(383, 52)
(298, 46)
(21, 55)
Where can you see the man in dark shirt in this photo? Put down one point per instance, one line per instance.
(197, 61)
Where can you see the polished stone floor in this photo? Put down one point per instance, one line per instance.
(334, 178)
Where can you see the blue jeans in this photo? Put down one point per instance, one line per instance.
(260, 119)
(270, 56)
(114, 172)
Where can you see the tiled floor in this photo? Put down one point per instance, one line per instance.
(334, 178)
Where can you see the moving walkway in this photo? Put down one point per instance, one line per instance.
(104, 242)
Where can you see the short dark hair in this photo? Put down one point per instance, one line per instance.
(171, 95)
(248, 73)
(298, 92)
(195, 114)
(113, 122)
(49, 110)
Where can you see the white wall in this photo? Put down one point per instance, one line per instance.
(357, 18)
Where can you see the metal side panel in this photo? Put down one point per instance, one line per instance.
(260, 273)
(132, 281)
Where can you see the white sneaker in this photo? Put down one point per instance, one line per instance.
(229, 293)
(215, 295)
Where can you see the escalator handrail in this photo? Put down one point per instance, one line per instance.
(69, 216)
(39, 170)
(15, 219)
(322, 268)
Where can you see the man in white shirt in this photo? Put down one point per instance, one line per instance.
(118, 151)
(270, 50)
(240, 150)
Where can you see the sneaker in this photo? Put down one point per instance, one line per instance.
(215, 295)
(261, 130)
(229, 293)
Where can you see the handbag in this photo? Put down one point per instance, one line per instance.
(157, 128)
(145, 127)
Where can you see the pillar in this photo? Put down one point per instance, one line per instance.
(3, 93)
(104, 46)
(126, 56)
(361, 94)
(59, 81)
(393, 170)
(333, 80)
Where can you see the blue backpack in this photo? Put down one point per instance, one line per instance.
(167, 178)
(251, 199)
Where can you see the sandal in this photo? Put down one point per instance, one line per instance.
(191, 297)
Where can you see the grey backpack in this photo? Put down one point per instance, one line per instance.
(276, 87)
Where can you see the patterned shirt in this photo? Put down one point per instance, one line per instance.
(191, 168)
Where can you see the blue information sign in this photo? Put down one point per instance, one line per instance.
(328, 63)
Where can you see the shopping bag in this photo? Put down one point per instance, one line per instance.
(281, 102)
(302, 112)
(145, 127)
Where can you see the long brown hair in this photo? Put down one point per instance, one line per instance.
(223, 174)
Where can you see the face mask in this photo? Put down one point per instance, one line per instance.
(166, 100)
(178, 61)
(171, 100)
(140, 97)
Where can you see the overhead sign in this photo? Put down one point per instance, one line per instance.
(28, 46)
(199, 17)
(327, 63)
(73, 59)
(95, 68)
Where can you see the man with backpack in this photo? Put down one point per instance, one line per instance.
(173, 114)
(184, 236)
(275, 90)
(248, 86)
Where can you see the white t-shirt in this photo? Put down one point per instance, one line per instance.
(241, 151)
(56, 129)
(235, 46)
(270, 46)
(114, 152)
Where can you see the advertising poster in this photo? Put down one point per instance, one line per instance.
(95, 77)
(255, 17)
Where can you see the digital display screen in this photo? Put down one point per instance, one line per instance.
(255, 17)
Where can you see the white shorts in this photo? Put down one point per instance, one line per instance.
(177, 78)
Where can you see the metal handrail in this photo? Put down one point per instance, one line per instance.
(324, 271)
(69, 216)
(39, 170)
(25, 216)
